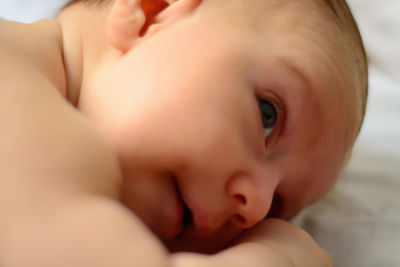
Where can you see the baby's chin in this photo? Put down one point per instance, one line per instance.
(189, 241)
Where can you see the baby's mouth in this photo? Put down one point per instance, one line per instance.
(186, 215)
(194, 219)
(187, 218)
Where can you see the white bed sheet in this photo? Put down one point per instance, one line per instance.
(359, 221)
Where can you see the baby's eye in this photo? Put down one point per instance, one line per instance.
(268, 115)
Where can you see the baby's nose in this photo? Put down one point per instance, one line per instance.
(252, 201)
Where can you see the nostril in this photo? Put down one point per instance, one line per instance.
(241, 199)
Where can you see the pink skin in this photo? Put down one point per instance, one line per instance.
(181, 112)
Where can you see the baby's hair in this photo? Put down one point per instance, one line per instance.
(89, 2)
(347, 23)
(344, 19)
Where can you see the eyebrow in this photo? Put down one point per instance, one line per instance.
(308, 86)
(299, 74)
(307, 90)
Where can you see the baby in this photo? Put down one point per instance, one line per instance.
(193, 114)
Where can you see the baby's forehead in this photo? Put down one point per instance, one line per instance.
(309, 21)
(265, 9)
(305, 30)
(304, 18)
(317, 33)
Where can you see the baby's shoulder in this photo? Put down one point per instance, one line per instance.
(32, 51)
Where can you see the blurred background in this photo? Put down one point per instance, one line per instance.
(359, 221)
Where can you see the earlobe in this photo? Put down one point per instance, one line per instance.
(131, 19)
(126, 19)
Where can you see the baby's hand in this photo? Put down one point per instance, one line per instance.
(272, 243)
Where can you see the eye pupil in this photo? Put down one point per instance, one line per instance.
(268, 114)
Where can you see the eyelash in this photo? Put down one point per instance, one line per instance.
(269, 114)
(277, 104)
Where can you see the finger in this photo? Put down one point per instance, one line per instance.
(287, 239)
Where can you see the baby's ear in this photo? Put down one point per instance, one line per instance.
(130, 20)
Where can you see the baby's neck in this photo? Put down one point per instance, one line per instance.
(65, 51)
(84, 45)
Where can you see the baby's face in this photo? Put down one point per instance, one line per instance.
(182, 110)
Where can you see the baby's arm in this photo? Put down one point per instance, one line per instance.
(59, 183)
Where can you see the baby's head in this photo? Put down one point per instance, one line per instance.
(220, 105)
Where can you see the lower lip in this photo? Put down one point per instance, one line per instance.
(175, 226)
(200, 228)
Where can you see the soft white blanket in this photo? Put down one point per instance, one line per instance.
(359, 221)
